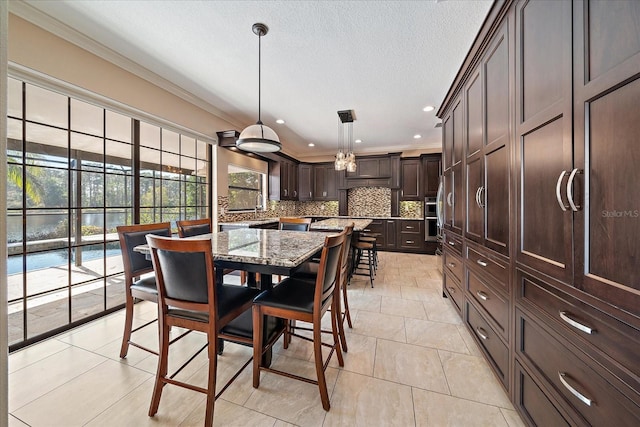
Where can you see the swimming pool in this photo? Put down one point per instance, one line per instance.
(39, 261)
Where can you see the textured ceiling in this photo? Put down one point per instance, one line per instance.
(386, 60)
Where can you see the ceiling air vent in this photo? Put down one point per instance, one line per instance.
(438, 125)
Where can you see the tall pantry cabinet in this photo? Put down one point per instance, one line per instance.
(545, 256)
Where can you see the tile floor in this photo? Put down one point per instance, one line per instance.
(411, 362)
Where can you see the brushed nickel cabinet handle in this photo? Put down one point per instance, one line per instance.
(452, 243)
(452, 289)
(409, 227)
(574, 207)
(478, 197)
(482, 263)
(482, 333)
(558, 195)
(480, 193)
(410, 241)
(451, 265)
(566, 316)
(449, 202)
(584, 399)
(482, 295)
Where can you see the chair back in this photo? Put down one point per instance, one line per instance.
(294, 224)
(184, 273)
(131, 236)
(345, 253)
(194, 227)
(328, 270)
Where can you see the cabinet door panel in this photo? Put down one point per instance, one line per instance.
(448, 199)
(613, 34)
(542, 55)
(320, 192)
(457, 133)
(305, 173)
(410, 179)
(475, 210)
(496, 199)
(474, 116)
(447, 138)
(331, 185)
(458, 198)
(542, 239)
(497, 90)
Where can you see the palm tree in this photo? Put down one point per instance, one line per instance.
(31, 187)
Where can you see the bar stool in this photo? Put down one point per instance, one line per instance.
(361, 249)
(370, 238)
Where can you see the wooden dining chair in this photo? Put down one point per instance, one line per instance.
(294, 224)
(295, 299)
(193, 227)
(189, 298)
(309, 271)
(139, 284)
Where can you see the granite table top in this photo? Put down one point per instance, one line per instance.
(338, 224)
(251, 222)
(261, 247)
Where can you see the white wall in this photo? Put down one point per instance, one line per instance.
(4, 348)
(226, 157)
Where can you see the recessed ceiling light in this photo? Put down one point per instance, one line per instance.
(311, 144)
(417, 136)
(358, 141)
(280, 121)
(429, 108)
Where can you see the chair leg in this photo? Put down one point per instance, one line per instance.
(339, 320)
(334, 331)
(371, 273)
(162, 369)
(317, 351)
(257, 344)
(243, 277)
(128, 325)
(347, 313)
(211, 385)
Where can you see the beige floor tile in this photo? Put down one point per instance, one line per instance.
(103, 330)
(418, 294)
(281, 423)
(360, 400)
(84, 397)
(288, 399)
(179, 352)
(364, 301)
(439, 410)
(361, 354)
(512, 417)
(39, 378)
(385, 290)
(26, 356)
(410, 365)
(176, 404)
(443, 336)
(380, 326)
(229, 415)
(440, 309)
(403, 307)
(14, 422)
(427, 282)
(470, 377)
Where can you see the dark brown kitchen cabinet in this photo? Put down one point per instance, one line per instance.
(488, 143)
(305, 182)
(411, 179)
(410, 235)
(431, 171)
(283, 179)
(317, 181)
(540, 126)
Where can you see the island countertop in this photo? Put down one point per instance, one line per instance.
(338, 224)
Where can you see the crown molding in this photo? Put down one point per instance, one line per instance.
(57, 28)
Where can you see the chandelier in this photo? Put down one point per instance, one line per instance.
(258, 137)
(345, 158)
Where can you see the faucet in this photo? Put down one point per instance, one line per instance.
(259, 202)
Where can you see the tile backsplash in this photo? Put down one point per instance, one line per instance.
(364, 201)
(369, 201)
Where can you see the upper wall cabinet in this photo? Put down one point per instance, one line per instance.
(317, 181)
(283, 179)
(373, 171)
(431, 172)
(410, 179)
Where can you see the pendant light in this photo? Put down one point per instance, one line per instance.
(345, 158)
(259, 138)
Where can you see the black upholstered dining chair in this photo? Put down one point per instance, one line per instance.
(295, 299)
(193, 227)
(309, 271)
(294, 224)
(189, 298)
(139, 283)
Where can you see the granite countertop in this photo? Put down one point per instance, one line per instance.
(251, 222)
(338, 224)
(366, 217)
